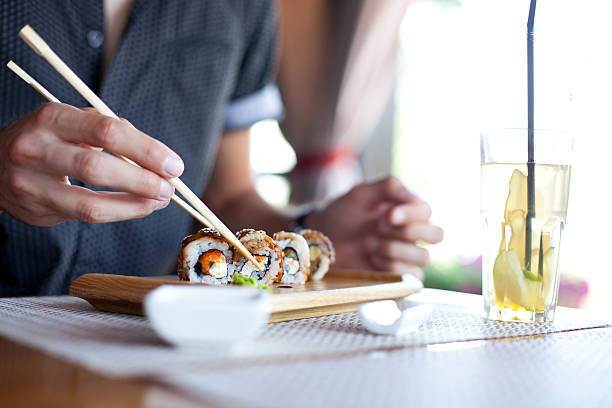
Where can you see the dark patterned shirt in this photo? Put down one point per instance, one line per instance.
(184, 72)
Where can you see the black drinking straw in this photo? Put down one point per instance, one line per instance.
(530, 156)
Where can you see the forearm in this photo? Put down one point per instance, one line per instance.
(231, 194)
(249, 210)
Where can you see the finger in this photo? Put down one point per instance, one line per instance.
(388, 189)
(383, 208)
(120, 137)
(30, 189)
(404, 214)
(396, 267)
(91, 110)
(48, 201)
(96, 207)
(102, 169)
(416, 232)
(397, 250)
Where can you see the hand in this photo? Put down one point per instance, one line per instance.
(40, 151)
(379, 225)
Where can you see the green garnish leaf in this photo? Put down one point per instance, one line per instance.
(264, 287)
(243, 280)
(532, 276)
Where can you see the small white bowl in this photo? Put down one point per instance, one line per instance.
(216, 318)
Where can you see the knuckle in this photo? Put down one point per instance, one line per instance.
(147, 208)
(106, 132)
(390, 183)
(39, 212)
(45, 114)
(19, 184)
(152, 150)
(150, 184)
(357, 192)
(88, 165)
(89, 212)
(19, 151)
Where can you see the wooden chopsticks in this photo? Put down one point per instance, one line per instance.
(203, 213)
(51, 98)
(31, 81)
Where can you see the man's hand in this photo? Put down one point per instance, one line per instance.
(379, 225)
(40, 151)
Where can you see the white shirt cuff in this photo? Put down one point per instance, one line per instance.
(243, 112)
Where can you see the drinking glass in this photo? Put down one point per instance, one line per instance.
(522, 239)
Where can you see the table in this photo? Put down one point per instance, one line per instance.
(31, 378)
(572, 368)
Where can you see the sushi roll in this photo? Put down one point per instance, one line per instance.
(266, 251)
(296, 257)
(205, 257)
(322, 253)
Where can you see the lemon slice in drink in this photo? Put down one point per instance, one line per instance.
(522, 289)
(508, 278)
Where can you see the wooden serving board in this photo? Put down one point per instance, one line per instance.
(340, 291)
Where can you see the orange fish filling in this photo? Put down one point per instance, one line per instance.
(209, 259)
(262, 259)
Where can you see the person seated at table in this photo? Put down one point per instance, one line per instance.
(192, 77)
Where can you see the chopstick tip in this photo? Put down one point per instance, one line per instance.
(17, 70)
(32, 38)
(25, 28)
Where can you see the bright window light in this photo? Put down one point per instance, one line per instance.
(271, 156)
(274, 189)
(270, 152)
(463, 70)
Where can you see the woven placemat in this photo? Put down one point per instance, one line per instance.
(570, 369)
(125, 345)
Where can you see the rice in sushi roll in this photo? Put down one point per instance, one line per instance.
(296, 257)
(322, 253)
(266, 251)
(205, 257)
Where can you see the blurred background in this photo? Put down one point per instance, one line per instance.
(406, 87)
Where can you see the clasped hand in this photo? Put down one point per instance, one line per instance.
(379, 225)
(40, 152)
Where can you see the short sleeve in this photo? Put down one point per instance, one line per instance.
(255, 96)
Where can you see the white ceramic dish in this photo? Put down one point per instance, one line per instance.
(384, 317)
(215, 318)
